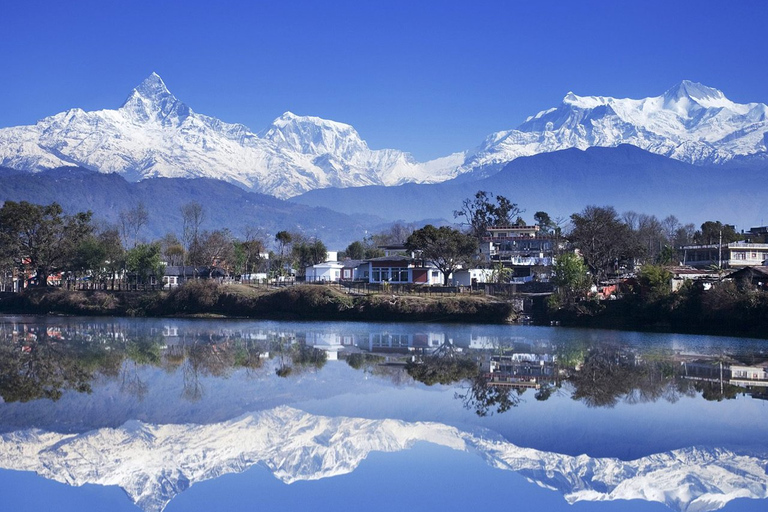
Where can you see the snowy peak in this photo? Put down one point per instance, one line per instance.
(689, 122)
(153, 134)
(152, 101)
(315, 136)
(153, 88)
(694, 91)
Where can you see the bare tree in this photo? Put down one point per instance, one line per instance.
(217, 247)
(131, 223)
(172, 249)
(192, 215)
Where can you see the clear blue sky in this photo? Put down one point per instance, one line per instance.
(426, 77)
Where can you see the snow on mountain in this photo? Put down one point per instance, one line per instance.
(689, 122)
(154, 463)
(338, 149)
(153, 134)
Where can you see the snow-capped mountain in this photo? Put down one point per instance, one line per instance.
(689, 122)
(153, 134)
(154, 463)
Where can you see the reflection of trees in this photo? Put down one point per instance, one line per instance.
(444, 366)
(302, 357)
(717, 391)
(359, 361)
(610, 374)
(42, 367)
(141, 351)
(486, 398)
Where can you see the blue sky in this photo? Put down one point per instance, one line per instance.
(426, 77)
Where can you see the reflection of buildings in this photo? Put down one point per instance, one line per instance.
(329, 342)
(402, 342)
(747, 376)
(726, 374)
(520, 370)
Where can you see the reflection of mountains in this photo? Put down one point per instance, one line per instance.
(153, 463)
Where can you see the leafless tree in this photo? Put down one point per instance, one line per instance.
(192, 215)
(131, 223)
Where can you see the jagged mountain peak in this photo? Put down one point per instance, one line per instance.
(694, 91)
(315, 136)
(153, 87)
(289, 118)
(155, 134)
(152, 101)
(691, 122)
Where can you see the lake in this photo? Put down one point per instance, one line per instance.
(198, 415)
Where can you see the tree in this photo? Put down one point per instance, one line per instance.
(355, 251)
(365, 249)
(216, 247)
(192, 215)
(446, 248)
(714, 232)
(283, 239)
(306, 253)
(545, 223)
(42, 238)
(131, 223)
(248, 251)
(144, 261)
(481, 213)
(655, 282)
(569, 274)
(602, 238)
(172, 250)
(650, 237)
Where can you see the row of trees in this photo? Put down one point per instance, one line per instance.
(42, 240)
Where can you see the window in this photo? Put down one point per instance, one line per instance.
(400, 275)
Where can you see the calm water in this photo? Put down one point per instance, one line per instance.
(165, 414)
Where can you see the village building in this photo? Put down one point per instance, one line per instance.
(731, 255)
(328, 272)
(757, 276)
(402, 270)
(525, 250)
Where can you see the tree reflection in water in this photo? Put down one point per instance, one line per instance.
(44, 361)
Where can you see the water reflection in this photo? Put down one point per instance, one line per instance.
(43, 360)
(671, 419)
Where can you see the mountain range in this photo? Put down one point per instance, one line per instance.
(154, 463)
(153, 134)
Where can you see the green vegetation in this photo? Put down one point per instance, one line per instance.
(570, 275)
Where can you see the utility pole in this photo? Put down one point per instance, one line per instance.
(720, 251)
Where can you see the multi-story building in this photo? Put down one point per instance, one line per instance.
(731, 255)
(524, 249)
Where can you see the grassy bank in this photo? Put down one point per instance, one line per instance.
(307, 302)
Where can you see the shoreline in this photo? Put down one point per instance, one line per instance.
(301, 302)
